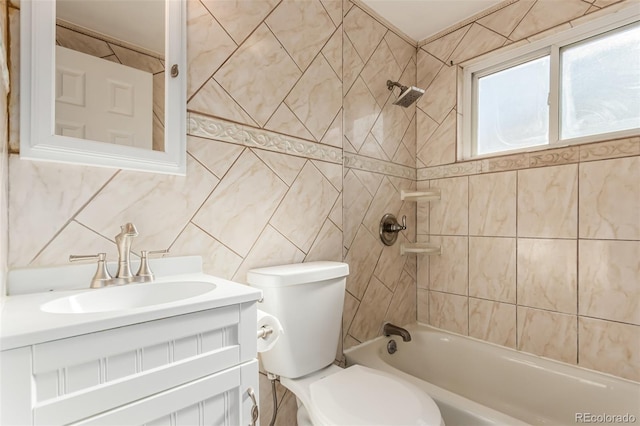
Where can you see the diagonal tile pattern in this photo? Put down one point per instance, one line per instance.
(248, 203)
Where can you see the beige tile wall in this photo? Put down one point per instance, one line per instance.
(540, 251)
(265, 161)
(379, 145)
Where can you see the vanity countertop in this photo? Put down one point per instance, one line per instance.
(24, 323)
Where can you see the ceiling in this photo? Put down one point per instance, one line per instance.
(420, 19)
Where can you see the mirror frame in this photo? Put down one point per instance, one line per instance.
(38, 140)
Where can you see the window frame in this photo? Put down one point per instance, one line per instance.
(493, 62)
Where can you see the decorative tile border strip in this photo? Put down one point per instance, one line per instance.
(226, 131)
(368, 164)
(627, 147)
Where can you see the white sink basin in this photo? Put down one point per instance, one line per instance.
(129, 296)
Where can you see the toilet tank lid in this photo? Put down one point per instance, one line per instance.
(297, 273)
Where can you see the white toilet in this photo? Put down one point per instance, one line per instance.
(308, 299)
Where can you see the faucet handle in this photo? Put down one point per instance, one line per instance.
(144, 273)
(102, 277)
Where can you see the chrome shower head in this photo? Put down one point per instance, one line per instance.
(408, 95)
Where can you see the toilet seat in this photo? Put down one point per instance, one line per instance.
(362, 396)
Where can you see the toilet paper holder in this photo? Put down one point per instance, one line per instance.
(264, 332)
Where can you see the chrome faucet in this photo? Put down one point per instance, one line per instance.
(123, 241)
(388, 329)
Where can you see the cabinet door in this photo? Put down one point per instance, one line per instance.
(219, 399)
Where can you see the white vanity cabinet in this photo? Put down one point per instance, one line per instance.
(189, 369)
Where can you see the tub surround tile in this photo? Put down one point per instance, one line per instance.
(492, 204)
(336, 213)
(390, 264)
(239, 208)
(548, 202)
(610, 199)
(448, 272)
(302, 28)
(332, 52)
(610, 347)
(371, 313)
(380, 68)
(610, 149)
(402, 309)
(428, 67)
(449, 312)
(351, 64)
(440, 148)
(334, 9)
(423, 306)
(204, 57)
(422, 211)
(440, 97)
(548, 334)
(349, 310)
(371, 148)
(547, 275)
(505, 20)
(60, 190)
(449, 215)
(444, 46)
(261, 93)
(370, 180)
(356, 203)
(360, 113)
(538, 18)
(386, 200)
(217, 259)
(402, 51)
(492, 268)
(349, 342)
(331, 171)
(240, 18)
(364, 32)
(554, 157)
(493, 322)
(362, 257)
(609, 277)
(389, 128)
(477, 41)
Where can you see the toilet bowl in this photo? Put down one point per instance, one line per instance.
(308, 299)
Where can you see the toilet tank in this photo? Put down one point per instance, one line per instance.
(307, 299)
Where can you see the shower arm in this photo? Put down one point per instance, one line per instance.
(392, 84)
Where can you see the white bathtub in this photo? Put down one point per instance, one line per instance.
(478, 383)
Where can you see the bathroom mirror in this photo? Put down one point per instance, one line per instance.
(103, 83)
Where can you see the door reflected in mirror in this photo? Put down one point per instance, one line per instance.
(110, 66)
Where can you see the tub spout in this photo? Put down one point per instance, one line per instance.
(389, 329)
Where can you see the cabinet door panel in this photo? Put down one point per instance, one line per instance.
(216, 400)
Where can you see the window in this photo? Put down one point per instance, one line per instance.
(578, 86)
